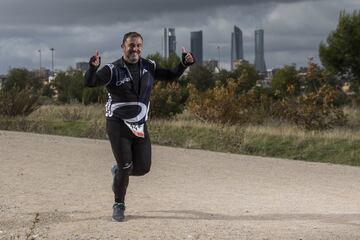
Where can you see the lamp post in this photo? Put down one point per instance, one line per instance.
(39, 62)
(218, 48)
(52, 60)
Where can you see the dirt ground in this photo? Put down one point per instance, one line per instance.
(55, 187)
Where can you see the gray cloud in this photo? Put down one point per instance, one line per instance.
(293, 29)
(91, 12)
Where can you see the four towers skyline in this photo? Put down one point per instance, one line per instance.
(237, 46)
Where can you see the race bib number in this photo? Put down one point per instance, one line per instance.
(136, 129)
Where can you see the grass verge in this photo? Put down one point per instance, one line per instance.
(338, 146)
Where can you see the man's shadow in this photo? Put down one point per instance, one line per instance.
(55, 217)
(200, 215)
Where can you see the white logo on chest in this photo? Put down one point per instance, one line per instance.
(122, 81)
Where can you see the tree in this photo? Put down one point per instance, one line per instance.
(222, 77)
(20, 93)
(341, 52)
(70, 86)
(247, 76)
(285, 81)
(167, 99)
(21, 78)
(316, 78)
(94, 95)
(170, 62)
(319, 104)
(201, 77)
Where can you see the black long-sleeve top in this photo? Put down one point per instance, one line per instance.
(94, 78)
(129, 86)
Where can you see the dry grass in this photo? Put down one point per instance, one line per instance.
(72, 112)
(340, 145)
(293, 131)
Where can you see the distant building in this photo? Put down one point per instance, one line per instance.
(169, 42)
(82, 66)
(237, 49)
(239, 62)
(196, 46)
(172, 41)
(165, 44)
(51, 77)
(43, 73)
(212, 64)
(259, 51)
(267, 79)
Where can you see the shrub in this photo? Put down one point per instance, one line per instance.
(223, 105)
(314, 111)
(94, 95)
(15, 102)
(167, 99)
(69, 86)
(20, 93)
(201, 77)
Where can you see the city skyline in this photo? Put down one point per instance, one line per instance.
(294, 29)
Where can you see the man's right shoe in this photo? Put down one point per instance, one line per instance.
(118, 212)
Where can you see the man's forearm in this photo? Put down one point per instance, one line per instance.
(170, 74)
(94, 78)
(90, 78)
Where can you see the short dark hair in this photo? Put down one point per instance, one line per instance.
(131, 34)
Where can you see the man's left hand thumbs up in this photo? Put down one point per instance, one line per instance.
(187, 58)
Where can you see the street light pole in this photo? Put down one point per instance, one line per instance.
(52, 60)
(218, 48)
(39, 62)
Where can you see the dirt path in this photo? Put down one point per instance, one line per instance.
(60, 188)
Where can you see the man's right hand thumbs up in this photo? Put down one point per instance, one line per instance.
(95, 60)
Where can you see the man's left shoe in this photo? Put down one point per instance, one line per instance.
(118, 212)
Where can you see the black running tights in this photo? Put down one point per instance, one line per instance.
(132, 155)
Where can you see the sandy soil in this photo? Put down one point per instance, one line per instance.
(55, 187)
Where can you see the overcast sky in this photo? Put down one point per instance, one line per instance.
(76, 28)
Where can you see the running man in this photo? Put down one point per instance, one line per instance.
(129, 81)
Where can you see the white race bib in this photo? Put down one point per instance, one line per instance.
(137, 130)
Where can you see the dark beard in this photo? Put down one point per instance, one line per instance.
(132, 59)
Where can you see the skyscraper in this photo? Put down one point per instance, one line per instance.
(237, 49)
(172, 41)
(259, 51)
(196, 46)
(169, 42)
(165, 43)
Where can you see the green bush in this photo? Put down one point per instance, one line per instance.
(167, 99)
(69, 86)
(20, 93)
(222, 104)
(15, 102)
(314, 111)
(94, 95)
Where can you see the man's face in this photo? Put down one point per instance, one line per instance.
(132, 48)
